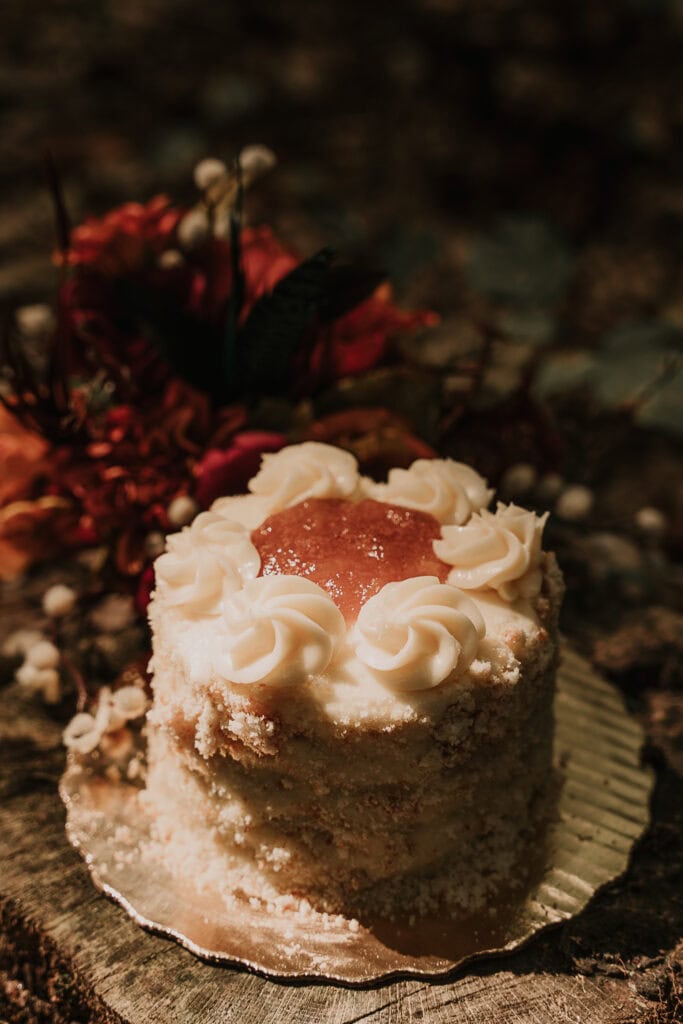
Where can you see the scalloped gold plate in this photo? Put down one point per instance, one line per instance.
(602, 809)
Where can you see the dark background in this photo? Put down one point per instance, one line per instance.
(401, 127)
(515, 165)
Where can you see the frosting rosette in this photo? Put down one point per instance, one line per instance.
(278, 629)
(303, 471)
(450, 491)
(206, 561)
(415, 633)
(498, 551)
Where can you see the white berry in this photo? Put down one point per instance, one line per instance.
(182, 510)
(193, 229)
(108, 718)
(171, 258)
(27, 675)
(575, 503)
(208, 172)
(36, 320)
(81, 734)
(519, 479)
(257, 160)
(130, 701)
(550, 487)
(20, 641)
(47, 681)
(43, 655)
(651, 521)
(154, 543)
(59, 600)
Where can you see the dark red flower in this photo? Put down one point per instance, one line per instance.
(358, 341)
(144, 590)
(133, 462)
(125, 239)
(228, 471)
(265, 261)
(205, 282)
(147, 436)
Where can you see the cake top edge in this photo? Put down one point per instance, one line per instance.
(423, 606)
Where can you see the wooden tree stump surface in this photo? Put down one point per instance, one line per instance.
(68, 953)
(514, 165)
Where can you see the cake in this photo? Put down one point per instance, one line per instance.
(353, 685)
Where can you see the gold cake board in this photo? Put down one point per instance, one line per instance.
(602, 809)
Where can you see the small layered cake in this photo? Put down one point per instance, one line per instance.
(353, 688)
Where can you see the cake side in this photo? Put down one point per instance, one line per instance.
(350, 790)
(336, 838)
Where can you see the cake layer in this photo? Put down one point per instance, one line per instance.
(462, 853)
(266, 795)
(353, 688)
(356, 837)
(338, 730)
(332, 837)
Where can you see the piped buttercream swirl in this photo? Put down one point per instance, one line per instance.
(416, 633)
(499, 551)
(278, 629)
(205, 562)
(303, 471)
(450, 491)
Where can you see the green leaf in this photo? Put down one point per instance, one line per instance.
(345, 288)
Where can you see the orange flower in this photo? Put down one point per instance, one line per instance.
(29, 531)
(22, 458)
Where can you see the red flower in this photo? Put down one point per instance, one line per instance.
(125, 239)
(358, 341)
(135, 460)
(141, 318)
(144, 590)
(207, 278)
(265, 261)
(228, 471)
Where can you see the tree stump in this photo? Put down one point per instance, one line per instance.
(69, 954)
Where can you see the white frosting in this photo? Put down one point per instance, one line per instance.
(277, 629)
(205, 562)
(228, 622)
(500, 616)
(500, 551)
(416, 633)
(302, 471)
(448, 490)
(248, 509)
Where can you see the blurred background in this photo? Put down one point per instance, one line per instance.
(516, 165)
(409, 131)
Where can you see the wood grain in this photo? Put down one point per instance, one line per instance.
(86, 957)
